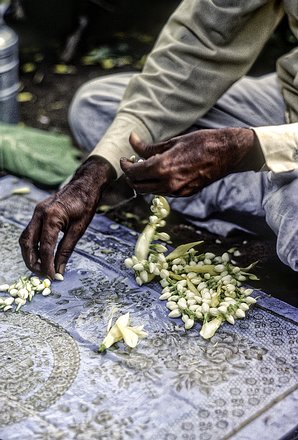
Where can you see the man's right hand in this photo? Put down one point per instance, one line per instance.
(70, 211)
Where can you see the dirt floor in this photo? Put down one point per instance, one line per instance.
(48, 85)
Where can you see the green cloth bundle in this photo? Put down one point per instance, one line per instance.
(42, 157)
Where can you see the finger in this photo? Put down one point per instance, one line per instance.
(149, 187)
(29, 243)
(67, 245)
(30, 238)
(52, 225)
(145, 170)
(148, 150)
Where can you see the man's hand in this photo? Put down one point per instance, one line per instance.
(70, 210)
(183, 165)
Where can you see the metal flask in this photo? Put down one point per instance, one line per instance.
(9, 73)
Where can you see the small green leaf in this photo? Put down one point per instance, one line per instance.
(248, 268)
(182, 250)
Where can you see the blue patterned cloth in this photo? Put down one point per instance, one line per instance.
(242, 384)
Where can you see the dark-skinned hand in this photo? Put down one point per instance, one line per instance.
(183, 165)
(70, 211)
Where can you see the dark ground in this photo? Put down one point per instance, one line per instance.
(51, 82)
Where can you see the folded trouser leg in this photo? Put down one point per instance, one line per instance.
(280, 203)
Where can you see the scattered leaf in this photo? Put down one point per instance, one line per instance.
(25, 97)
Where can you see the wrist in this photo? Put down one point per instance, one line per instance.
(96, 170)
(250, 153)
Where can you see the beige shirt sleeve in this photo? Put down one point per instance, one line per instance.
(279, 144)
(203, 49)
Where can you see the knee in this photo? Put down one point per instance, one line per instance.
(78, 108)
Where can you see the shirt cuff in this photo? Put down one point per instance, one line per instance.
(115, 143)
(279, 144)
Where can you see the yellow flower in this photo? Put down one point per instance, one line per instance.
(209, 328)
(122, 330)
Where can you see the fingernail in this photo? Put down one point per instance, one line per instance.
(61, 269)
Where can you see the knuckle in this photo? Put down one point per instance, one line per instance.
(173, 185)
(23, 239)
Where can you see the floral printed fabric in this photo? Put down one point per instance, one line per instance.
(174, 385)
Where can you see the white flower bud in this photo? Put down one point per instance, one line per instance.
(199, 314)
(189, 294)
(207, 261)
(236, 269)
(189, 324)
(46, 282)
(157, 272)
(8, 301)
(60, 277)
(160, 248)
(144, 276)
(209, 255)
(127, 262)
(164, 282)
(219, 268)
(207, 276)
(191, 302)
(214, 311)
(6, 308)
(229, 300)
(134, 259)
(250, 300)
(205, 294)
(174, 298)
(163, 212)
(182, 303)
(247, 292)
(153, 219)
(20, 301)
(171, 305)
(139, 281)
(185, 318)
(14, 292)
(165, 295)
(47, 291)
(175, 313)
(23, 293)
(244, 307)
(205, 308)
(196, 281)
(138, 267)
(4, 287)
(223, 309)
(230, 319)
(225, 257)
(240, 313)
(193, 307)
(164, 273)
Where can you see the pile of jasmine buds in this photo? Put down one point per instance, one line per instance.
(23, 290)
(197, 287)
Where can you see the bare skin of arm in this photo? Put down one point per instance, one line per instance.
(70, 211)
(178, 167)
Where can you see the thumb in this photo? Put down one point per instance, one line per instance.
(147, 150)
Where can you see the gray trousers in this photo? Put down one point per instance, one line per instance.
(251, 102)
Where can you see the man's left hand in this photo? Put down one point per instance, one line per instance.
(185, 164)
